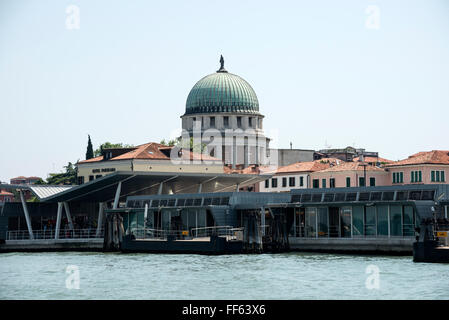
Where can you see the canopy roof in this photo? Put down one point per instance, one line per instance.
(146, 183)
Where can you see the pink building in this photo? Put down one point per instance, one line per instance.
(350, 174)
(6, 197)
(421, 168)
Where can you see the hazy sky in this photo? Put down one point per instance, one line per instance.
(324, 75)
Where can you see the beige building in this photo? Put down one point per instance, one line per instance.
(149, 157)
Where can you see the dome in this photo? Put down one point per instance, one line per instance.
(222, 92)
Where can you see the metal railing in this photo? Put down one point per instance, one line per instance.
(231, 233)
(50, 234)
(334, 233)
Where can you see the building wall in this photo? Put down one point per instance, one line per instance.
(289, 156)
(107, 167)
(425, 169)
(381, 178)
(280, 188)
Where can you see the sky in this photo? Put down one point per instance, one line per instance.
(370, 74)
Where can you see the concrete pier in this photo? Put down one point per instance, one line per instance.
(52, 245)
(396, 246)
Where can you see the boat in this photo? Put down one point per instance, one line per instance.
(432, 243)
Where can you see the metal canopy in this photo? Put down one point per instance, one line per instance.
(40, 191)
(146, 183)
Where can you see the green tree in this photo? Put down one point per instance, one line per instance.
(67, 177)
(90, 149)
(108, 145)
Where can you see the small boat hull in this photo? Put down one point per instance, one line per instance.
(429, 251)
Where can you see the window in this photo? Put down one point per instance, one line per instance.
(323, 183)
(80, 180)
(91, 178)
(437, 176)
(301, 181)
(291, 181)
(416, 176)
(250, 122)
(348, 182)
(316, 183)
(372, 182)
(226, 122)
(332, 183)
(212, 122)
(361, 181)
(98, 176)
(274, 183)
(398, 177)
(267, 183)
(284, 182)
(239, 122)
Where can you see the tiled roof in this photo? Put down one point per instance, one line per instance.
(373, 159)
(309, 166)
(351, 166)
(151, 151)
(4, 193)
(426, 157)
(251, 170)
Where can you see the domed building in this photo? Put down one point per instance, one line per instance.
(224, 108)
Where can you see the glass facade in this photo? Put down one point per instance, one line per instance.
(357, 221)
(323, 223)
(382, 220)
(311, 223)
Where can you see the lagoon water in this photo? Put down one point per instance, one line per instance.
(264, 276)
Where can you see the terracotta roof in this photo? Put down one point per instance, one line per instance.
(253, 169)
(426, 157)
(373, 159)
(351, 166)
(308, 166)
(151, 150)
(4, 193)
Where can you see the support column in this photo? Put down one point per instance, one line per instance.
(67, 213)
(262, 219)
(200, 188)
(100, 219)
(58, 220)
(117, 195)
(27, 215)
(161, 185)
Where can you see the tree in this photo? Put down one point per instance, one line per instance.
(90, 149)
(107, 145)
(67, 177)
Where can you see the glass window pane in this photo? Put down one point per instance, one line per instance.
(370, 221)
(396, 220)
(322, 222)
(408, 221)
(357, 219)
(346, 218)
(310, 229)
(382, 220)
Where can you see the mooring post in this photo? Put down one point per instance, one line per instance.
(27, 215)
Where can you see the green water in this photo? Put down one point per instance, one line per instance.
(265, 276)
